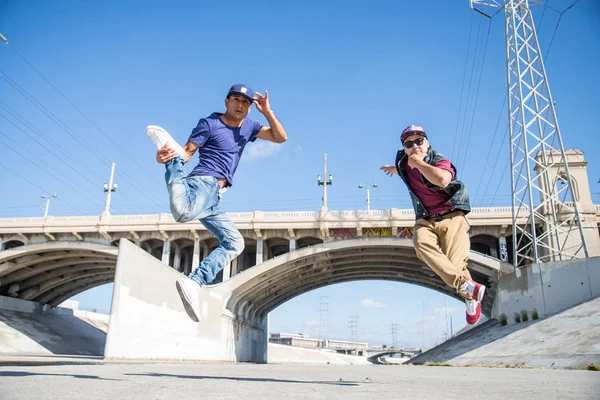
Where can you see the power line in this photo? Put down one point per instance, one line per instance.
(31, 127)
(495, 163)
(485, 164)
(556, 28)
(75, 168)
(462, 87)
(46, 170)
(32, 183)
(80, 112)
(67, 129)
(477, 93)
(462, 129)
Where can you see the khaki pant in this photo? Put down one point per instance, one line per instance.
(444, 246)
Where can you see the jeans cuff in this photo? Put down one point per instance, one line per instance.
(196, 278)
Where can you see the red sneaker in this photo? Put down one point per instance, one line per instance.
(473, 311)
(473, 289)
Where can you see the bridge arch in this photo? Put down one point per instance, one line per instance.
(47, 272)
(256, 292)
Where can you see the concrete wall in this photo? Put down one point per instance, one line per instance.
(27, 328)
(148, 321)
(547, 288)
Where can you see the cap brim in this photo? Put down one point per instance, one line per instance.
(411, 133)
(240, 94)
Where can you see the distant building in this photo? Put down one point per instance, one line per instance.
(347, 347)
(302, 340)
(295, 339)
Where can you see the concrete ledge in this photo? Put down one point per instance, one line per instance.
(148, 321)
(547, 288)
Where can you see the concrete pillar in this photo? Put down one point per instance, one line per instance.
(494, 252)
(166, 254)
(503, 249)
(196, 254)
(1, 244)
(229, 270)
(266, 251)
(177, 259)
(138, 243)
(259, 251)
(292, 244)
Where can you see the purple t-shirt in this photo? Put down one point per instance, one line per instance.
(221, 145)
(433, 200)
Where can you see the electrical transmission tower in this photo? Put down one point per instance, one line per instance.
(353, 325)
(546, 225)
(394, 331)
(324, 318)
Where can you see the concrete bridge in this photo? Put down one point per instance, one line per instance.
(50, 259)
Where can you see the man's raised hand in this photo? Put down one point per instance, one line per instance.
(389, 170)
(262, 102)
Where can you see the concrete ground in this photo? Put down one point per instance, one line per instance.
(290, 381)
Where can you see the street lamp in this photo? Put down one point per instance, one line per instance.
(109, 189)
(361, 186)
(324, 183)
(47, 197)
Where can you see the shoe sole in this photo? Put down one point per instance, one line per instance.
(187, 304)
(481, 293)
(172, 143)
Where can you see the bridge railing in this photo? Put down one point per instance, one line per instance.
(244, 220)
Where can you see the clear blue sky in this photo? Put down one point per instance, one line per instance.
(344, 79)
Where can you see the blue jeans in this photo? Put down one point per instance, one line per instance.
(197, 197)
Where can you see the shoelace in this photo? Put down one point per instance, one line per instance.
(471, 307)
(468, 287)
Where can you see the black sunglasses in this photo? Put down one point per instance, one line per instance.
(410, 143)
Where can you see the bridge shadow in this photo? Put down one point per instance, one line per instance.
(62, 334)
(245, 379)
(21, 374)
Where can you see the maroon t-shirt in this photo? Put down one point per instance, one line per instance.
(433, 200)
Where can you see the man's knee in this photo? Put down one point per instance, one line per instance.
(237, 244)
(180, 214)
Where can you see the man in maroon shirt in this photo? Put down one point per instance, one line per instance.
(441, 236)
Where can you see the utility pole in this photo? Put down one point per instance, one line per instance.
(109, 189)
(553, 230)
(361, 186)
(47, 197)
(325, 182)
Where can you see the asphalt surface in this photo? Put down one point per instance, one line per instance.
(290, 381)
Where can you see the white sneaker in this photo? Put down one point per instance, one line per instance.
(160, 137)
(189, 291)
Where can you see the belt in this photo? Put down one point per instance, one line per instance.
(439, 216)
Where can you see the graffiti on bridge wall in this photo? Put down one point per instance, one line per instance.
(342, 233)
(347, 233)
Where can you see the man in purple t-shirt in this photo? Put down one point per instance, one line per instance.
(220, 140)
(441, 235)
